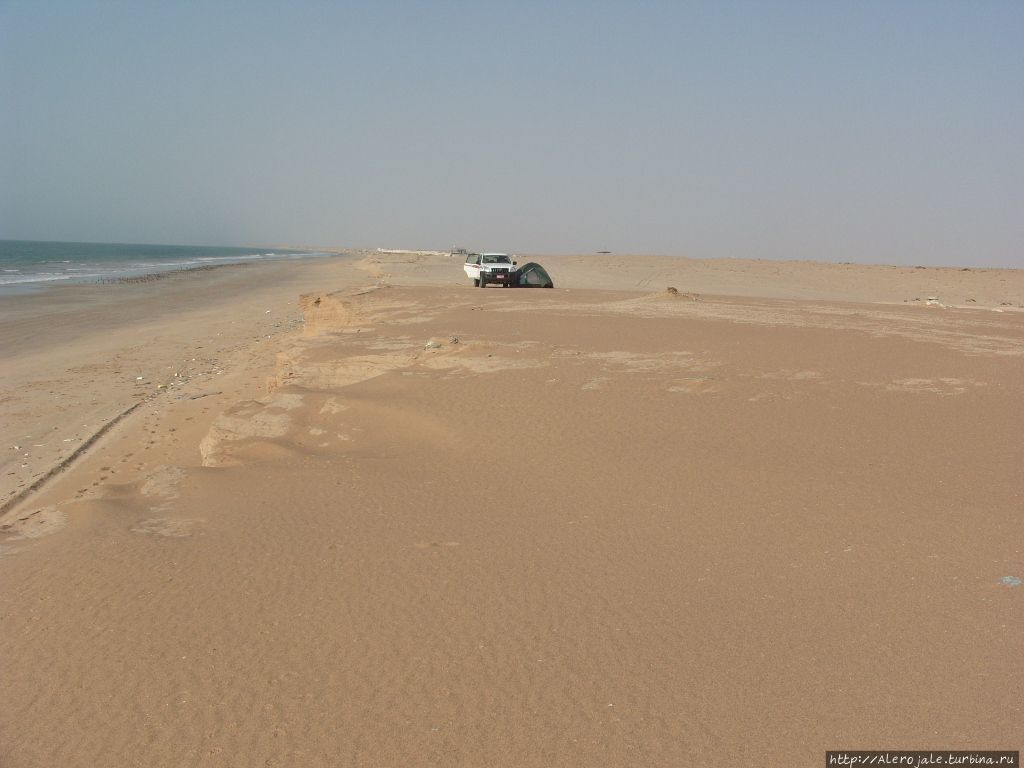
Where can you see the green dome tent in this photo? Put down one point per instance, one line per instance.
(533, 275)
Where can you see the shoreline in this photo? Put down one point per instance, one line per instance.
(154, 272)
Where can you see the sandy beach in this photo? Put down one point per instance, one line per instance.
(353, 511)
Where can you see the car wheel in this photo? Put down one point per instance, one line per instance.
(483, 281)
(476, 282)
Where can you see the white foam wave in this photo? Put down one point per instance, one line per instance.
(37, 278)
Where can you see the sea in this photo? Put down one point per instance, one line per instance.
(26, 265)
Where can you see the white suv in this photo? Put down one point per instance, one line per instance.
(496, 268)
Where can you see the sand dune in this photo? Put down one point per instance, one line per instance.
(438, 525)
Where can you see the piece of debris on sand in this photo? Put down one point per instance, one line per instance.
(675, 293)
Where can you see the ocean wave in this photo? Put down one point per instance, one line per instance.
(36, 278)
(232, 259)
(22, 270)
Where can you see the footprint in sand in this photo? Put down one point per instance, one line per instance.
(175, 528)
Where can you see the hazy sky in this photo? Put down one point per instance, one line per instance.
(864, 131)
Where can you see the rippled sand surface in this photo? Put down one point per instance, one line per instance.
(418, 523)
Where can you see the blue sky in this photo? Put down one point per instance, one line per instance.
(862, 131)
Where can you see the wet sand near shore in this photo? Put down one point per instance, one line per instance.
(438, 525)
